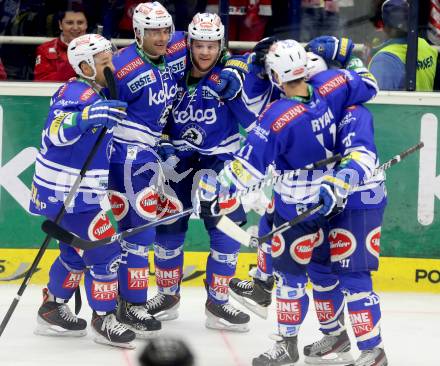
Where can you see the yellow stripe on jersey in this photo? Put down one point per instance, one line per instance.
(338, 182)
(56, 123)
(240, 171)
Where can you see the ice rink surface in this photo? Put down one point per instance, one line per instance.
(410, 328)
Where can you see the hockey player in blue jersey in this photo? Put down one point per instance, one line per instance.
(293, 131)
(146, 82)
(204, 130)
(362, 217)
(257, 294)
(78, 112)
(340, 271)
(146, 74)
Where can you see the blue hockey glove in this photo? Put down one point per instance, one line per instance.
(104, 113)
(333, 193)
(332, 48)
(231, 78)
(230, 84)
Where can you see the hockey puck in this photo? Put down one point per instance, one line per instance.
(166, 352)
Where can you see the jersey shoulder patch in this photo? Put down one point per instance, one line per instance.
(126, 62)
(283, 113)
(177, 43)
(75, 92)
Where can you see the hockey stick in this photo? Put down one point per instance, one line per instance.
(57, 232)
(273, 180)
(113, 93)
(228, 227)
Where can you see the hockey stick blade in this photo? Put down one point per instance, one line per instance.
(68, 238)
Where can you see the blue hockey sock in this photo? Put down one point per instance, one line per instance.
(168, 262)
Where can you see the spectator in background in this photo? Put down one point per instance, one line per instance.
(3, 75)
(51, 62)
(388, 63)
(247, 18)
(434, 22)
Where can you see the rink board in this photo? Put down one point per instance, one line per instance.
(395, 274)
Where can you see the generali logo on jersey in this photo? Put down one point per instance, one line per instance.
(87, 94)
(288, 311)
(176, 47)
(104, 291)
(331, 85)
(324, 310)
(72, 280)
(287, 117)
(361, 322)
(128, 68)
(137, 278)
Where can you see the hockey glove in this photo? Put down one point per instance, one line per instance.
(258, 56)
(333, 193)
(208, 196)
(331, 48)
(104, 113)
(231, 78)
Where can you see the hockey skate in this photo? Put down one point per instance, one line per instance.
(138, 319)
(225, 317)
(330, 350)
(164, 307)
(56, 319)
(371, 357)
(283, 353)
(256, 295)
(108, 330)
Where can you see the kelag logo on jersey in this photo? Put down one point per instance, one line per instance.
(207, 116)
(161, 96)
(141, 81)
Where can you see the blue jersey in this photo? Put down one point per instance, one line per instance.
(64, 149)
(177, 54)
(149, 90)
(355, 141)
(292, 134)
(201, 122)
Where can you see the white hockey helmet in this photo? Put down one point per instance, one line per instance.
(83, 48)
(315, 65)
(206, 27)
(150, 16)
(286, 61)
